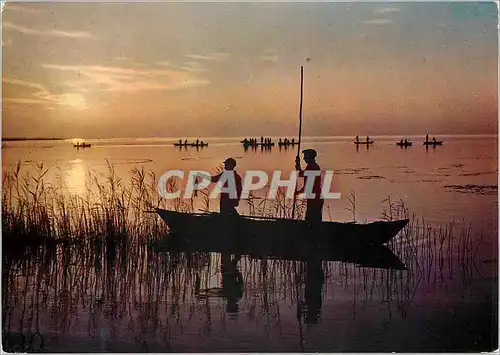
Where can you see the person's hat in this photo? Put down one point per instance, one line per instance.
(309, 153)
(230, 161)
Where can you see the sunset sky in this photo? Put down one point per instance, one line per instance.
(233, 69)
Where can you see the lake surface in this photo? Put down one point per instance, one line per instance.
(445, 301)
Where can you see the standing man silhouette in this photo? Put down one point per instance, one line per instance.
(228, 203)
(314, 212)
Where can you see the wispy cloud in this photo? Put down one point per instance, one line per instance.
(37, 94)
(164, 63)
(382, 11)
(386, 10)
(50, 33)
(200, 57)
(24, 9)
(108, 78)
(24, 101)
(213, 56)
(192, 66)
(378, 21)
(269, 58)
(34, 86)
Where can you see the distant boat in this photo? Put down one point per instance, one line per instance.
(82, 145)
(404, 144)
(287, 144)
(248, 144)
(191, 145)
(433, 142)
(364, 142)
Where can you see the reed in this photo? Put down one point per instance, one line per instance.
(35, 212)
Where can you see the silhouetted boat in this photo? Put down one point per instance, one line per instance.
(258, 144)
(282, 238)
(433, 142)
(404, 144)
(83, 145)
(364, 142)
(282, 144)
(190, 145)
(272, 230)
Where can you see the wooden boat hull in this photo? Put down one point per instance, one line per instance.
(364, 142)
(434, 143)
(280, 231)
(283, 239)
(404, 144)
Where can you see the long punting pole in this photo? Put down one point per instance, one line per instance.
(300, 129)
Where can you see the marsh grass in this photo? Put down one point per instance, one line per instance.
(64, 255)
(36, 212)
(434, 252)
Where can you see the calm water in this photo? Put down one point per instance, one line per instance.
(457, 180)
(150, 302)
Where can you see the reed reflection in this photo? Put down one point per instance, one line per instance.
(139, 291)
(130, 276)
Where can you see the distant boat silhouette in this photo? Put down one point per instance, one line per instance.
(191, 145)
(366, 141)
(287, 144)
(433, 142)
(82, 145)
(248, 144)
(404, 144)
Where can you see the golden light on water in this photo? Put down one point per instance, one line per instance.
(76, 176)
(77, 140)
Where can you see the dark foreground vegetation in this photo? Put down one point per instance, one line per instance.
(101, 253)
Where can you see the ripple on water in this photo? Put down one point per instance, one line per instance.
(129, 161)
(474, 189)
(350, 171)
(478, 173)
(370, 177)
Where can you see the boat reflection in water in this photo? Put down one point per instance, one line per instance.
(232, 284)
(315, 278)
(131, 297)
(269, 241)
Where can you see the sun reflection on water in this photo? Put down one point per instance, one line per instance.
(76, 177)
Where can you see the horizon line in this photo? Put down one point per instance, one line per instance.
(253, 136)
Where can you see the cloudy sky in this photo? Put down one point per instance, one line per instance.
(233, 69)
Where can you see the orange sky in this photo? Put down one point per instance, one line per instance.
(232, 69)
